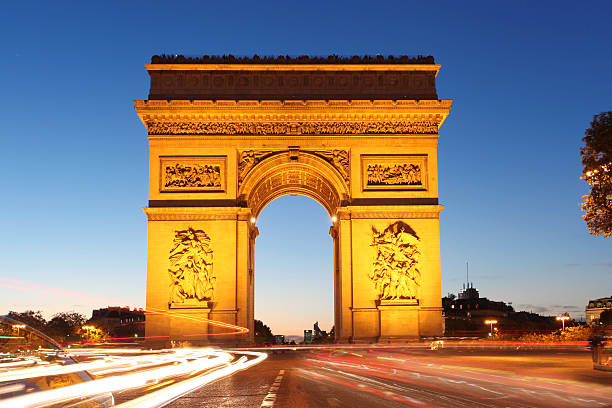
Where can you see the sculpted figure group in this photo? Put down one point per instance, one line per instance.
(191, 262)
(397, 174)
(395, 272)
(193, 175)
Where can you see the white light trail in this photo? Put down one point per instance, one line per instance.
(148, 369)
(175, 391)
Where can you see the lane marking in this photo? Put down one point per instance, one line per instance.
(270, 399)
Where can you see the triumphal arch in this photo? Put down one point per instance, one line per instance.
(229, 135)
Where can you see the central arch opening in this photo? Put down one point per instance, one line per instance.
(294, 262)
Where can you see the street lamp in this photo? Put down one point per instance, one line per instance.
(17, 328)
(563, 319)
(491, 322)
(88, 330)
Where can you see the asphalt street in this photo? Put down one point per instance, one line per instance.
(398, 378)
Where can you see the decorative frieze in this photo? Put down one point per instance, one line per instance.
(395, 270)
(192, 282)
(156, 127)
(192, 174)
(398, 172)
(336, 157)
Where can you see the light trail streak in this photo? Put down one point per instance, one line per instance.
(63, 293)
(474, 385)
(175, 391)
(162, 371)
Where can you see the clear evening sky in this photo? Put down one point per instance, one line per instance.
(525, 78)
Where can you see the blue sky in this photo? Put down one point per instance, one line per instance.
(525, 78)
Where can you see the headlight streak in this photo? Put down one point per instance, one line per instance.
(192, 360)
(49, 290)
(175, 391)
(465, 381)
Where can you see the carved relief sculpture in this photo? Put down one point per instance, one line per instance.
(336, 157)
(191, 269)
(339, 159)
(195, 175)
(394, 174)
(400, 172)
(395, 271)
(291, 128)
(248, 160)
(192, 174)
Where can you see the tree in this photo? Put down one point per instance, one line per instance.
(597, 161)
(31, 318)
(65, 324)
(263, 334)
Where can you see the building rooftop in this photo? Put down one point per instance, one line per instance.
(605, 302)
(291, 60)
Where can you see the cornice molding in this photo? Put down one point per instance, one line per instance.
(407, 104)
(196, 213)
(276, 117)
(386, 212)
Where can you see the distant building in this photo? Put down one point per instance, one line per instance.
(468, 293)
(279, 339)
(469, 304)
(307, 336)
(595, 309)
(119, 321)
(318, 332)
(465, 314)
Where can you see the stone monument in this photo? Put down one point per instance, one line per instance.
(229, 135)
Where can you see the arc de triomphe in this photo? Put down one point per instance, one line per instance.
(229, 135)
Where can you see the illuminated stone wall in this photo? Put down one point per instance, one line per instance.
(214, 165)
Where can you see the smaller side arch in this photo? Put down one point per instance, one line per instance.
(285, 173)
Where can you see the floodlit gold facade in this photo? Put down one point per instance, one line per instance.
(219, 154)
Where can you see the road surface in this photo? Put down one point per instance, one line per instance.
(421, 378)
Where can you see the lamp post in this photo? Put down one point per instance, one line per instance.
(491, 322)
(563, 319)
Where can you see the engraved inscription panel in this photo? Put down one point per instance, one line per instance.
(397, 172)
(192, 174)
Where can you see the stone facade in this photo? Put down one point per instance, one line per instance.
(369, 157)
(595, 308)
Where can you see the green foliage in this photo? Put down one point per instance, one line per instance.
(65, 324)
(263, 334)
(31, 318)
(575, 333)
(597, 161)
(61, 325)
